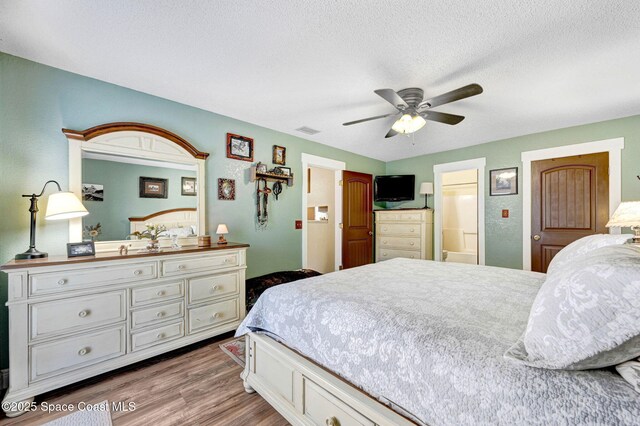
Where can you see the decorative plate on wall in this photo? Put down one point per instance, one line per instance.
(226, 189)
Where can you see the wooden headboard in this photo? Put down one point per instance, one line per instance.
(173, 218)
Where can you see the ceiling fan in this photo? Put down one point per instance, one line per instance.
(414, 111)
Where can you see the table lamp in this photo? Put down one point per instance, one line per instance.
(426, 189)
(627, 215)
(61, 205)
(222, 229)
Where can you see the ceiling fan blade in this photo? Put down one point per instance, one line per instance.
(454, 95)
(391, 133)
(392, 97)
(442, 117)
(368, 119)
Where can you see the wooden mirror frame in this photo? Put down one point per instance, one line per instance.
(135, 140)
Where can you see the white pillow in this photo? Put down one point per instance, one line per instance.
(630, 371)
(581, 247)
(587, 314)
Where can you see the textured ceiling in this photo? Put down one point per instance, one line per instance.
(543, 64)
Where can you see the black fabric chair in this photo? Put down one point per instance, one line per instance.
(256, 286)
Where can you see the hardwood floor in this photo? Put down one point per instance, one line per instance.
(199, 385)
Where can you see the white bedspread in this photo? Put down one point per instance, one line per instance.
(428, 338)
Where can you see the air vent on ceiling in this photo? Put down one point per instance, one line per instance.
(308, 130)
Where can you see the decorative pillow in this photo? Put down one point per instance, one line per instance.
(587, 314)
(630, 371)
(583, 246)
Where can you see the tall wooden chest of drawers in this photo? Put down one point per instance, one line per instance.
(404, 233)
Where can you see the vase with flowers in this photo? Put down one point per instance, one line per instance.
(152, 233)
(92, 231)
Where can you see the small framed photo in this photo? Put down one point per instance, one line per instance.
(153, 187)
(189, 186)
(286, 171)
(92, 192)
(239, 147)
(504, 181)
(279, 155)
(226, 189)
(87, 248)
(261, 168)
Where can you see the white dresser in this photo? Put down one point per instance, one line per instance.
(404, 233)
(70, 319)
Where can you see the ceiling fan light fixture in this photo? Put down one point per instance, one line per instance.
(409, 123)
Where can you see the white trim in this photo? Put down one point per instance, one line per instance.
(309, 160)
(138, 161)
(4, 379)
(438, 169)
(613, 146)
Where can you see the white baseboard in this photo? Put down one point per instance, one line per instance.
(4, 379)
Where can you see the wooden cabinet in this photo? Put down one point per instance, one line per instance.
(404, 233)
(70, 319)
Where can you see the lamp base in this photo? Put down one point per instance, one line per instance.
(32, 253)
(221, 240)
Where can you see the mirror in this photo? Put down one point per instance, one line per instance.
(131, 174)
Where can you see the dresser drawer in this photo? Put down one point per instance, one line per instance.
(385, 254)
(61, 356)
(214, 314)
(54, 282)
(407, 243)
(148, 316)
(156, 336)
(157, 293)
(395, 216)
(399, 229)
(322, 408)
(200, 263)
(77, 313)
(212, 286)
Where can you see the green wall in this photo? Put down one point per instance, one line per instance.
(122, 196)
(36, 101)
(504, 236)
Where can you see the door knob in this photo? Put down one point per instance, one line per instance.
(370, 232)
(536, 237)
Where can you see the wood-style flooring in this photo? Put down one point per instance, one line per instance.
(198, 385)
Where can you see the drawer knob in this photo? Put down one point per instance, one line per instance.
(181, 267)
(160, 336)
(160, 314)
(384, 254)
(384, 229)
(412, 243)
(62, 281)
(160, 293)
(216, 315)
(384, 242)
(413, 257)
(227, 260)
(215, 288)
(83, 313)
(84, 351)
(137, 272)
(332, 421)
(412, 230)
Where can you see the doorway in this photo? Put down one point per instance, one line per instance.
(357, 229)
(569, 200)
(461, 247)
(460, 216)
(330, 171)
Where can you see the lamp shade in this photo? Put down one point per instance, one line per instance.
(222, 229)
(408, 123)
(627, 214)
(426, 188)
(64, 205)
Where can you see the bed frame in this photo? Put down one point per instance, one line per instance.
(173, 218)
(307, 394)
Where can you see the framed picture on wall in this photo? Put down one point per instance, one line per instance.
(239, 147)
(279, 155)
(189, 186)
(92, 192)
(226, 189)
(504, 181)
(153, 187)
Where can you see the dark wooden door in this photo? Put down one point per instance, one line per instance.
(570, 200)
(357, 219)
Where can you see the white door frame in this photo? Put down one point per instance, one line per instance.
(309, 160)
(438, 171)
(613, 146)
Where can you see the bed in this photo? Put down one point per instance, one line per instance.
(182, 220)
(412, 341)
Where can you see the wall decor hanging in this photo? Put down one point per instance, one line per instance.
(279, 155)
(226, 189)
(239, 147)
(153, 187)
(189, 186)
(92, 192)
(262, 202)
(285, 171)
(261, 167)
(504, 181)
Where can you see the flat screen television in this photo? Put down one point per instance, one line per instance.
(394, 188)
